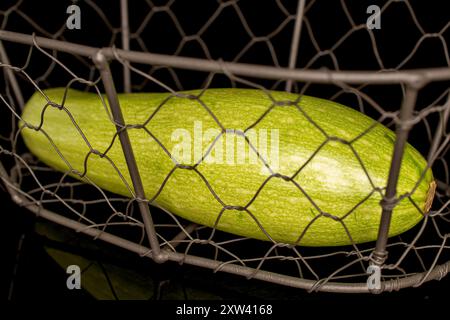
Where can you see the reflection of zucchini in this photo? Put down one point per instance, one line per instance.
(107, 274)
(333, 181)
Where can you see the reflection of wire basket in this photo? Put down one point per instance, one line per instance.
(418, 256)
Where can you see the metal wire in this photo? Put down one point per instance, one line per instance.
(60, 199)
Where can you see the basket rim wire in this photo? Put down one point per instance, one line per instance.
(413, 79)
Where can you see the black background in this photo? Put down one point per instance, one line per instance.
(38, 277)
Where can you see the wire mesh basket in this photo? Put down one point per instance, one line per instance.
(354, 58)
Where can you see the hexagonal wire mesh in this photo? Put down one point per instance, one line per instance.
(161, 61)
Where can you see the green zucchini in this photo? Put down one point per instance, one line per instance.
(330, 198)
